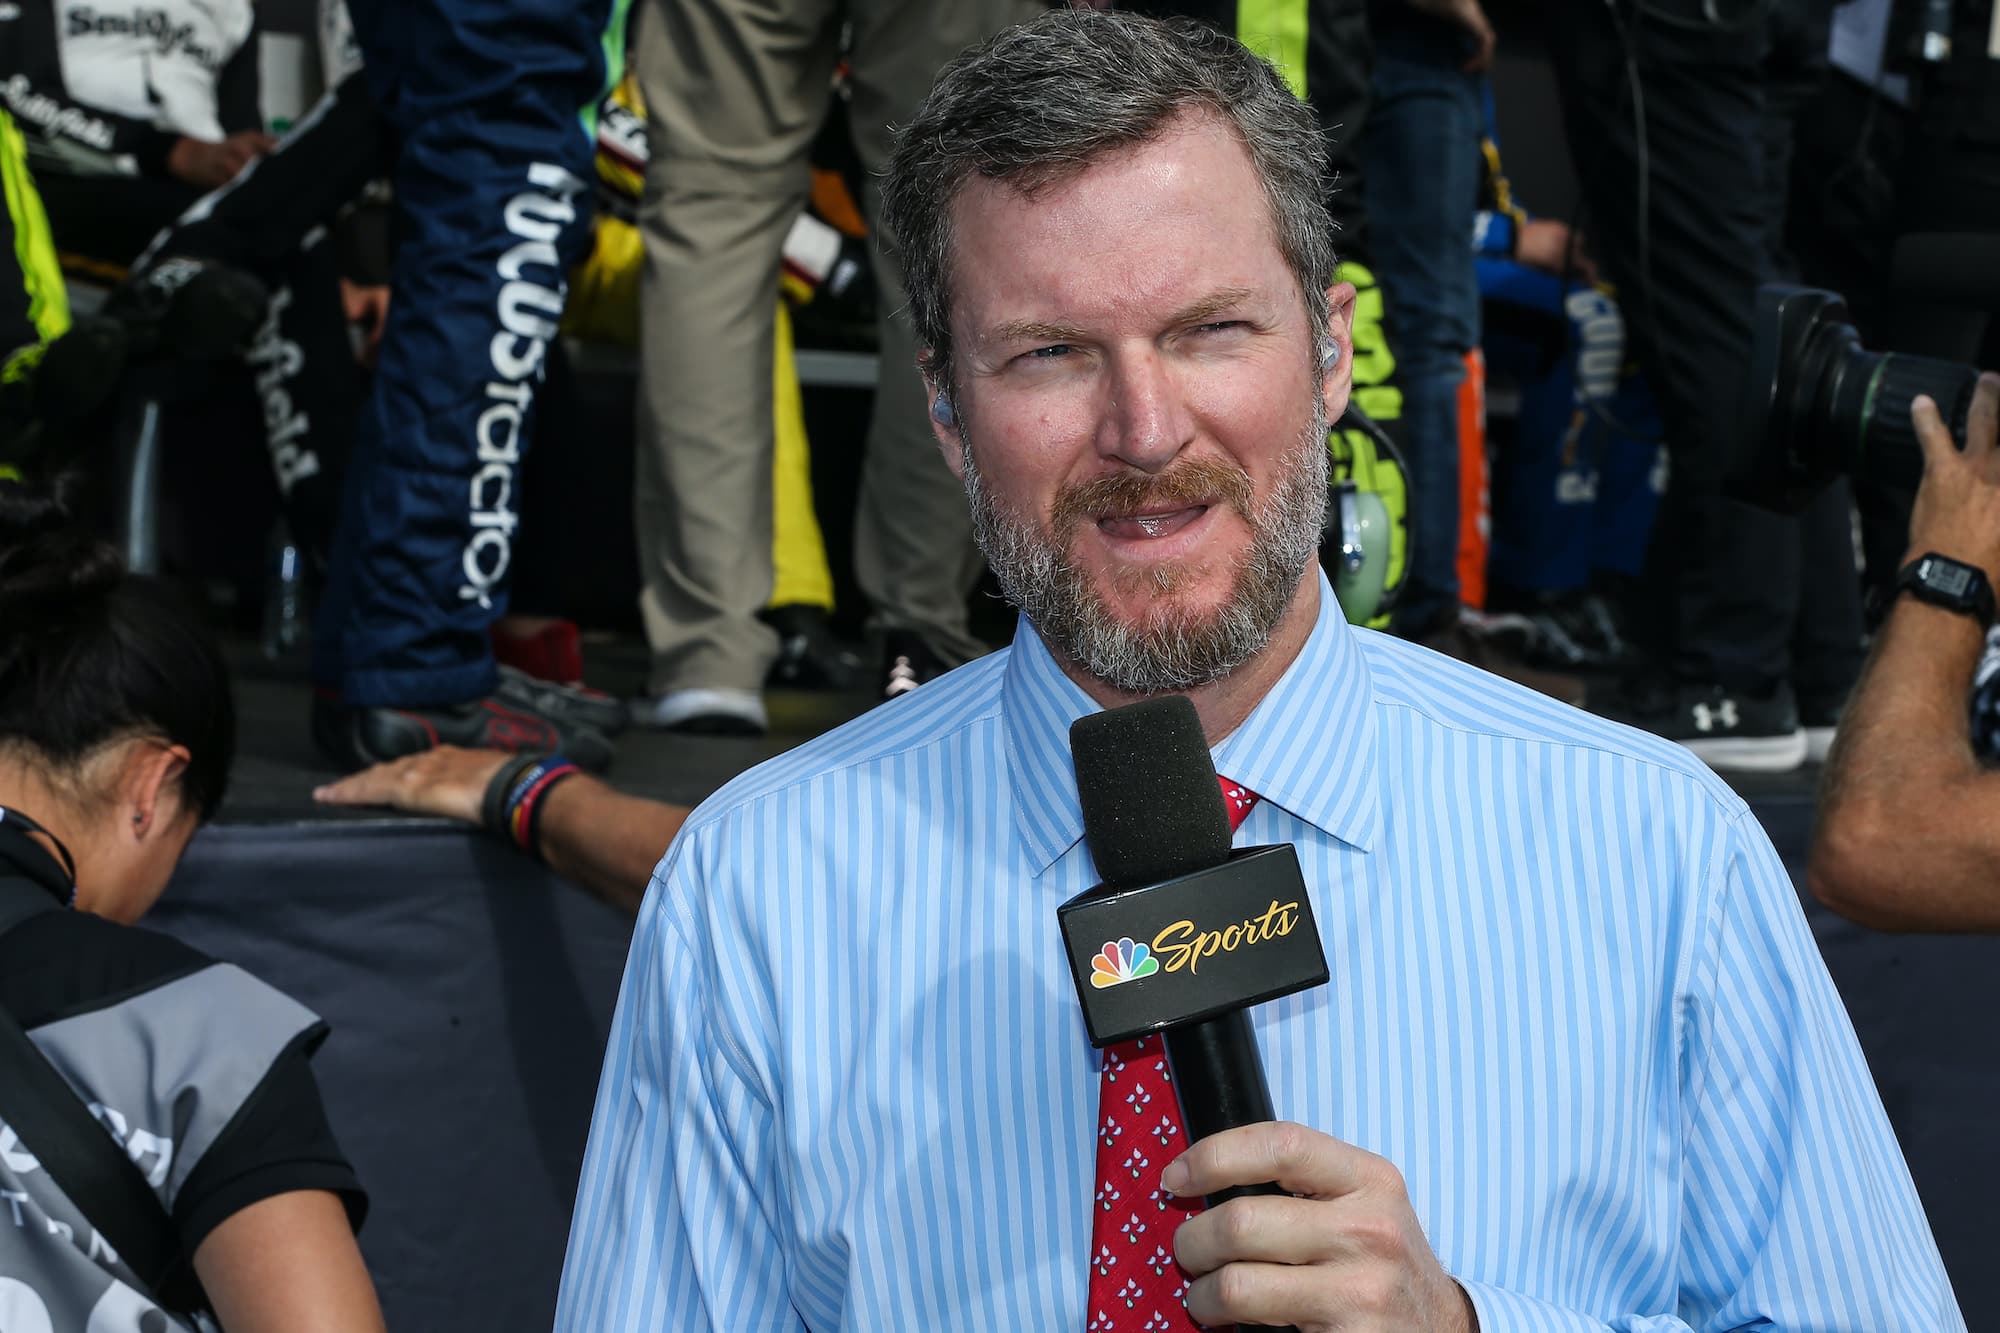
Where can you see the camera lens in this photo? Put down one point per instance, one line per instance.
(1860, 406)
(1888, 452)
(1820, 405)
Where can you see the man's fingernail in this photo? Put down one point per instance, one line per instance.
(1175, 1177)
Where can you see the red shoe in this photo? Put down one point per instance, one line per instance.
(552, 653)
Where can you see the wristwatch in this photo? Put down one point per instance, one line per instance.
(1951, 584)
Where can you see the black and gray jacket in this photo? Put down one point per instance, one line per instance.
(197, 1068)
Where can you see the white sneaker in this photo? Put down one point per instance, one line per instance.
(708, 712)
(1819, 740)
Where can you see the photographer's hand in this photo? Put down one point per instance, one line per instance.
(1957, 511)
(1909, 820)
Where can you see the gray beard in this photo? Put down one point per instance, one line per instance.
(1169, 652)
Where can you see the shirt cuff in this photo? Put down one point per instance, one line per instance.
(1502, 1311)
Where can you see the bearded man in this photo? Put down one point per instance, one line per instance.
(1579, 1065)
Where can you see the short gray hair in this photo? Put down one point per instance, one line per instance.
(1037, 104)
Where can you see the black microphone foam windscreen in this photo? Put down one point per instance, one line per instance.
(1152, 808)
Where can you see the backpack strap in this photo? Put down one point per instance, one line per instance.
(80, 1155)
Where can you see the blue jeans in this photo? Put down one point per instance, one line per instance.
(1421, 159)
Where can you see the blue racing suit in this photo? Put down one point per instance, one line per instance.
(492, 104)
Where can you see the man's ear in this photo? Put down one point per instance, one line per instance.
(942, 409)
(148, 787)
(1339, 378)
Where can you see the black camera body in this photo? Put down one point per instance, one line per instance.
(1818, 405)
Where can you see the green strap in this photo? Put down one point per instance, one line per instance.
(34, 247)
(1276, 30)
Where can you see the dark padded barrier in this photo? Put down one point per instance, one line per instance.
(470, 994)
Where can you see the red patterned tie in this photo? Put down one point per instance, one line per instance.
(1135, 1285)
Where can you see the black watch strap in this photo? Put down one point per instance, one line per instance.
(1951, 584)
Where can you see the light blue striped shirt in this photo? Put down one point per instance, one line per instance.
(1573, 999)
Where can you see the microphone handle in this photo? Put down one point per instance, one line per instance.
(1219, 1083)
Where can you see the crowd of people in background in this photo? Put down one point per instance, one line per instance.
(400, 268)
(392, 278)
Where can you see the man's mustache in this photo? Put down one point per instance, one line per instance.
(1195, 481)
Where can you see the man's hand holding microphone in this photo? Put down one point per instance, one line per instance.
(1341, 1249)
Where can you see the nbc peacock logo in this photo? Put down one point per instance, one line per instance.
(1121, 961)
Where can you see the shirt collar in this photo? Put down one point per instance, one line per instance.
(1308, 747)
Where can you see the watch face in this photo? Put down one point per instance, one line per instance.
(1950, 579)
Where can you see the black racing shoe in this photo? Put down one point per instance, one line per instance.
(577, 705)
(907, 662)
(189, 309)
(1462, 634)
(1566, 631)
(358, 737)
(809, 656)
(1733, 731)
(1578, 633)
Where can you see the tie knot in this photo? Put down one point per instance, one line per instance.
(1238, 800)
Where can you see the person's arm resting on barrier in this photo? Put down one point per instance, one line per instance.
(1909, 826)
(586, 831)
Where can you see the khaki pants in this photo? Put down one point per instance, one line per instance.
(735, 91)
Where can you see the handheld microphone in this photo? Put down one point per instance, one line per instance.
(1192, 934)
